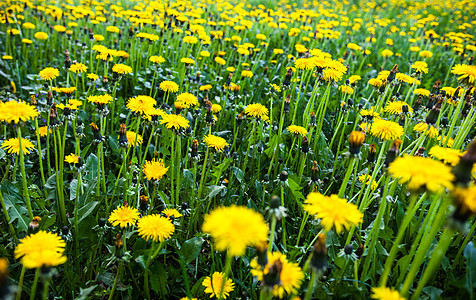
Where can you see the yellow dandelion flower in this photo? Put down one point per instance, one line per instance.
(154, 169)
(175, 122)
(188, 99)
(93, 76)
(422, 92)
(366, 180)
(426, 54)
(141, 104)
(386, 130)
(78, 68)
(330, 74)
(429, 130)
(41, 35)
(133, 138)
(41, 249)
(100, 99)
(13, 146)
(171, 212)
(467, 73)
(447, 155)
(333, 211)
(156, 59)
(297, 130)
(49, 73)
(216, 142)
(234, 228)
(124, 216)
(213, 285)
(257, 110)
(288, 280)
(246, 73)
(420, 67)
(121, 69)
(169, 86)
(155, 227)
(397, 107)
(15, 112)
(71, 159)
(421, 172)
(384, 293)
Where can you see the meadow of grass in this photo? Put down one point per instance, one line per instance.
(237, 149)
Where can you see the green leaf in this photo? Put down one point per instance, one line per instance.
(51, 182)
(86, 210)
(470, 255)
(158, 278)
(215, 190)
(72, 189)
(294, 187)
(107, 278)
(218, 170)
(91, 167)
(239, 174)
(271, 145)
(84, 293)
(47, 221)
(17, 211)
(191, 249)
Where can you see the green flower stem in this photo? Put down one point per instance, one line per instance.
(40, 159)
(329, 148)
(7, 218)
(373, 235)
(271, 233)
(153, 81)
(26, 194)
(465, 242)
(301, 228)
(338, 150)
(265, 294)
(250, 143)
(20, 282)
(76, 224)
(411, 210)
(202, 178)
(310, 287)
(35, 283)
(454, 118)
(350, 168)
(119, 268)
(178, 161)
(305, 73)
(435, 260)
(46, 286)
(425, 244)
(375, 171)
(290, 150)
(283, 225)
(123, 167)
(147, 264)
(227, 271)
(172, 167)
(423, 228)
(129, 181)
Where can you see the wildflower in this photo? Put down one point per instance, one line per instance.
(14, 112)
(216, 108)
(141, 104)
(154, 169)
(297, 130)
(215, 142)
(190, 40)
(156, 59)
(426, 54)
(175, 122)
(222, 62)
(100, 99)
(49, 73)
(397, 107)
(41, 35)
(71, 159)
(187, 61)
(354, 78)
(171, 212)
(345, 89)
(169, 86)
(43, 131)
(387, 53)
(278, 275)
(429, 130)
(124, 216)
(133, 138)
(366, 179)
(93, 76)
(332, 75)
(386, 130)
(42, 249)
(121, 69)
(234, 228)
(375, 82)
(384, 293)
(205, 87)
(333, 211)
(319, 256)
(354, 46)
(447, 155)
(420, 172)
(257, 110)
(467, 73)
(246, 73)
(463, 169)
(465, 199)
(155, 227)
(187, 99)
(356, 139)
(369, 113)
(78, 68)
(304, 63)
(213, 285)
(420, 67)
(422, 92)
(13, 146)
